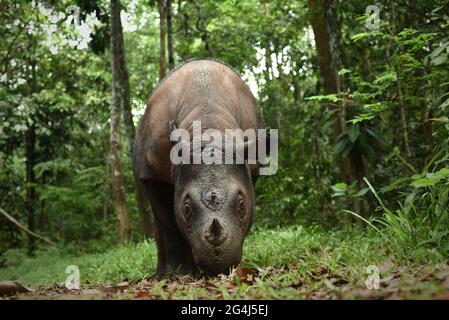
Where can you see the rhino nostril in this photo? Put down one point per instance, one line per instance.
(215, 233)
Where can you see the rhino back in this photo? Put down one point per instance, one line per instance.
(202, 89)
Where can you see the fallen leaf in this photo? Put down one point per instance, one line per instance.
(441, 296)
(339, 281)
(142, 294)
(119, 287)
(387, 265)
(395, 296)
(328, 284)
(445, 283)
(145, 284)
(426, 277)
(323, 270)
(442, 274)
(245, 275)
(298, 284)
(312, 275)
(320, 295)
(123, 284)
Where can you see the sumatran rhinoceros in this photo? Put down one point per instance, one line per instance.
(202, 211)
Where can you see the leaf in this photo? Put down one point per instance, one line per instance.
(339, 189)
(119, 287)
(338, 194)
(142, 294)
(343, 71)
(387, 76)
(375, 134)
(362, 117)
(353, 132)
(435, 53)
(440, 119)
(362, 192)
(328, 97)
(423, 182)
(441, 296)
(439, 60)
(340, 146)
(245, 275)
(444, 104)
(394, 184)
(20, 128)
(442, 173)
(363, 35)
(347, 150)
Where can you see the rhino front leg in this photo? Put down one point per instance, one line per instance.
(174, 253)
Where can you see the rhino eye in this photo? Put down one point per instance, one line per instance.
(187, 210)
(241, 208)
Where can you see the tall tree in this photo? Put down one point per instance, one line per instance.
(118, 187)
(145, 214)
(171, 54)
(162, 17)
(267, 46)
(325, 28)
(30, 186)
(30, 151)
(399, 85)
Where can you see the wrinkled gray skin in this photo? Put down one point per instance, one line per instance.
(202, 212)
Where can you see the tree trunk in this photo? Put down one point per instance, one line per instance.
(118, 188)
(43, 217)
(201, 27)
(318, 10)
(268, 72)
(162, 59)
(296, 90)
(143, 205)
(326, 30)
(405, 138)
(30, 186)
(425, 119)
(171, 55)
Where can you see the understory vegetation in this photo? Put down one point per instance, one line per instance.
(280, 263)
(361, 102)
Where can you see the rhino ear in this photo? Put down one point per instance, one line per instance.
(172, 126)
(177, 135)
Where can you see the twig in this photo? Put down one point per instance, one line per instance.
(404, 161)
(11, 218)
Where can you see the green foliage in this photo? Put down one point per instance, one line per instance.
(418, 229)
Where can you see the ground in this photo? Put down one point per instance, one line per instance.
(284, 263)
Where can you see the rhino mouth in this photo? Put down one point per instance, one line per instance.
(217, 262)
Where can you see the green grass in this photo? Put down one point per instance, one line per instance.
(295, 247)
(291, 263)
(130, 261)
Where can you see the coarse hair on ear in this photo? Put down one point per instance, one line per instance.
(172, 126)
